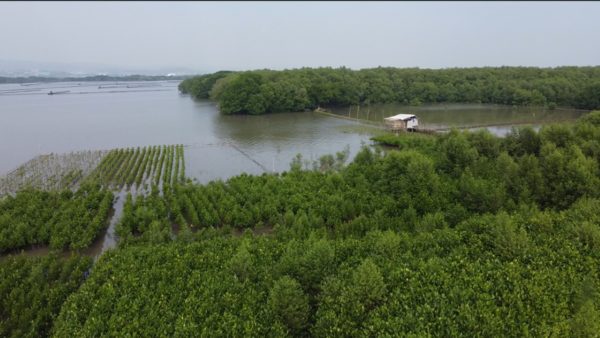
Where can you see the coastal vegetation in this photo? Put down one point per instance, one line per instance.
(201, 86)
(115, 169)
(60, 219)
(141, 166)
(453, 234)
(268, 91)
(49, 209)
(445, 179)
(33, 289)
(51, 172)
(459, 234)
(525, 273)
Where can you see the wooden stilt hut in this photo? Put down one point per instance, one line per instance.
(402, 122)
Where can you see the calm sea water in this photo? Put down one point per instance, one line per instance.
(217, 146)
(108, 115)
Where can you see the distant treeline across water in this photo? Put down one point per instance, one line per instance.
(267, 91)
(34, 79)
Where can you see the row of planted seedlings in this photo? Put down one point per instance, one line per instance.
(58, 219)
(51, 210)
(148, 215)
(118, 169)
(67, 219)
(140, 167)
(144, 172)
(244, 202)
(62, 219)
(52, 171)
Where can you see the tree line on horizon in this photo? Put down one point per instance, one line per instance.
(269, 91)
(92, 78)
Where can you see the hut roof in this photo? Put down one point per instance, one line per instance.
(398, 117)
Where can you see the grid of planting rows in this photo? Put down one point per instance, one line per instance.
(52, 171)
(141, 166)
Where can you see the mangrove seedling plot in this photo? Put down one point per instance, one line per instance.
(116, 169)
(60, 219)
(43, 206)
(433, 181)
(33, 289)
(128, 167)
(52, 171)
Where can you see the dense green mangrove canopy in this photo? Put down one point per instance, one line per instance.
(267, 91)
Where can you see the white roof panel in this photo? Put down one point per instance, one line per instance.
(400, 117)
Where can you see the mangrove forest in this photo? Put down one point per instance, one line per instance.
(454, 234)
(269, 91)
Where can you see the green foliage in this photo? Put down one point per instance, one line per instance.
(347, 302)
(290, 304)
(60, 219)
(410, 178)
(568, 175)
(177, 290)
(586, 322)
(127, 167)
(241, 263)
(457, 153)
(267, 91)
(591, 118)
(485, 143)
(368, 286)
(243, 95)
(32, 291)
(434, 181)
(200, 86)
(488, 276)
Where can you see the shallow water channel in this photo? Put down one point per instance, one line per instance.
(498, 119)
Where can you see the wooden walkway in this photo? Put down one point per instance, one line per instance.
(372, 123)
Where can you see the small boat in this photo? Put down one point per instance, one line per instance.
(59, 92)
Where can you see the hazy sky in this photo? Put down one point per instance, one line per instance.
(245, 35)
